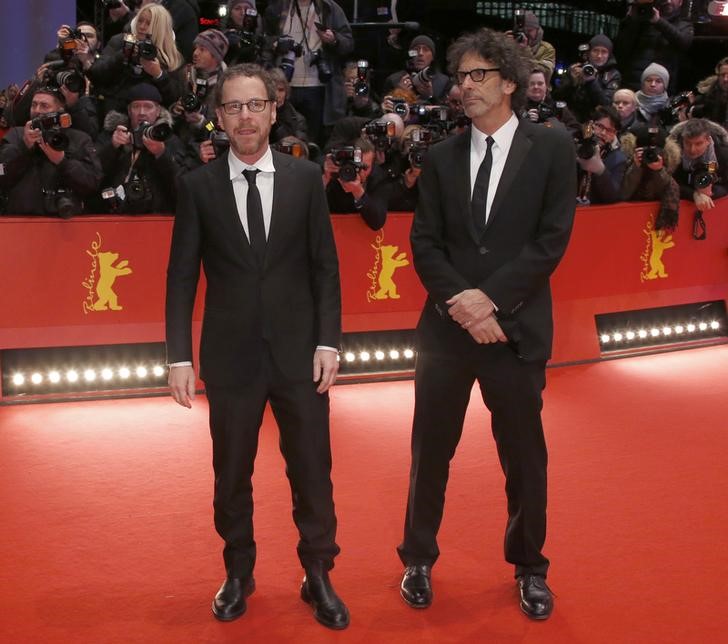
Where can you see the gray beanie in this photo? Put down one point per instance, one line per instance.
(215, 42)
(423, 40)
(655, 69)
(234, 3)
(531, 21)
(600, 40)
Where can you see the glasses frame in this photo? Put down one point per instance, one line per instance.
(598, 126)
(478, 71)
(248, 104)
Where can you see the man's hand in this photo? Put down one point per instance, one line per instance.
(327, 36)
(354, 188)
(155, 147)
(330, 170)
(410, 177)
(487, 331)
(151, 67)
(53, 155)
(470, 307)
(31, 135)
(71, 97)
(121, 136)
(182, 384)
(207, 151)
(703, 201)
(325, 368)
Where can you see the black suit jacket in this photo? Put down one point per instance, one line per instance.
(525, 236)
(293, 302)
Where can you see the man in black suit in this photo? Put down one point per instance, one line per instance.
(258, 222)
(485, 261)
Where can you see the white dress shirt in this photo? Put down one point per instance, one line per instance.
(503, 138)
(264, 181)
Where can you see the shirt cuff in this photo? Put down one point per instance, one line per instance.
(185, 363)
(323, 348)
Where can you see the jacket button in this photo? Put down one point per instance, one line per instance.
(482, 250)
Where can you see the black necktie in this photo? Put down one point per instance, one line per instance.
(480, 190)
(256, 227)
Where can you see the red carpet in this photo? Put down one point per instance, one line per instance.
(107, 529)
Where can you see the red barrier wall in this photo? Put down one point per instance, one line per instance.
(101, 280)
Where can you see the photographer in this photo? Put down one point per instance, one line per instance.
(347, 172)
(652, 32)
(653, 103)
(593, 80)
(140, 155)
(625, 102)
(197, 105)
(528, 33)
(48, 166)
(651, 160)
(289, 122)
(541, 107)
(602, 172)
(428, 84)
(146, 55)
(413, 146)
(703, 170)
(243, 27)
(313, 39)
(712, 95)
(360, 99)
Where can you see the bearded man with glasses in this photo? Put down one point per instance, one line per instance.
(495, 211)
(258, 222)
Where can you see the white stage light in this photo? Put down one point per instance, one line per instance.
(36, 378)
(18, 379)
(679, 329)
(379, 355)
(654, 332)
(72, 375)
(409, 354)
(642, 333)
(349, 356)
(124, 373)
(141, 372)
(630, 335)
(54, 377)
(364, 356)
(691, 328)
(107, 374)
(158, 371)
(89, 375)
(394, 354)
(605, 338)
(715, 325)
(666, 330)
(703, 326)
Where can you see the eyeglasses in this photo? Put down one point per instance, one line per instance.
(253, 105)
(604, 128)
(476, 75)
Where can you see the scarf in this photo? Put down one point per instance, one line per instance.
(706, 157)
(650, 105)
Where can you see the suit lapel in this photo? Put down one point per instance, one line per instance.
(222, 189)
(283, 194)
(516, 156)
(461, 164)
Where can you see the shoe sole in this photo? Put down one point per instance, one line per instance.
(248, 592)
(336, 627)
(412, 605)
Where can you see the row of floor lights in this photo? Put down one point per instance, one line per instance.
(656, 332)
(379, 355)
(89, 375)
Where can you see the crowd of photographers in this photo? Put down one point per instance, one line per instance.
(108, 127)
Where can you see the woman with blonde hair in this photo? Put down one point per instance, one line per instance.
(148, 54)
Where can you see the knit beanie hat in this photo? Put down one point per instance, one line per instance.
(423, 40)
(144, 92)
(600, 40)
(531, 21)
(215, 42)
(234, 3)
(655, 69)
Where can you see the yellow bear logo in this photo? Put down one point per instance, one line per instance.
(660, 243)
(390, 263)
(107, 298)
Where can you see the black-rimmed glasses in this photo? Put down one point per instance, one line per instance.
(253, 105)
(476, 75)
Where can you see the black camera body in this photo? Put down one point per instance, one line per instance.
(133, 51)
(348, 160)
(587, 69)
(138, 193)
(643, 9)
(51, 126)
(361, 84)
(400, 107)
(586, 143)
(192, 102)
(422, 77)
(703, 175)
(421, 141)
(318, 58)
(652, 152)
(519, 26)
(62, 202)
(220, 142)
(380, 133)
(158, 132)
(288, 50)
(293, 149)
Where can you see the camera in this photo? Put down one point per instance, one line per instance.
(652, 151)
(157, 132)
(138, 194)
(671, 114)
(112, 198)
(519, 26)
(192, 102)
(421, 140)
(587, 69)
(380, 133)
(111, 4)
(220, 142)
(67, 49)
(703, 175)
(422, 77)
(586, 143)
(62, 202)
(71, 80)
(286, 45)
(51, 126)
(133, 51)
(361, 84)
(294, 149)
(547, 111)
(322, 65)
(643, 8)
(348, 160)
(400, 107)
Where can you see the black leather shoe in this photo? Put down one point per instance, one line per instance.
(328, 608)
(416, 588)
(229, 603)
(536, 598)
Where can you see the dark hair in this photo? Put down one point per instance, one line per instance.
(85, 23)
(51, 90)
(246, 70)
(695, 127)
(502, 51)
(607, 112)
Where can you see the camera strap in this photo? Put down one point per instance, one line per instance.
(134, 157)
(303, 21)
(699, 229)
